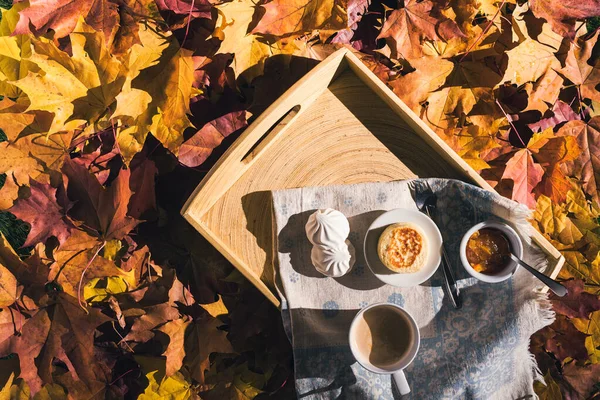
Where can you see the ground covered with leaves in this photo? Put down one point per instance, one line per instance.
(112, 111)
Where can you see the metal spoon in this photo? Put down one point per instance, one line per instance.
(556, 287)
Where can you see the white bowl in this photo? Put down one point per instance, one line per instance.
(516, 247)
(433, 237)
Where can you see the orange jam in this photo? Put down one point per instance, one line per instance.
(488, 251)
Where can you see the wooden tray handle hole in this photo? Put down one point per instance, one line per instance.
(271, 134)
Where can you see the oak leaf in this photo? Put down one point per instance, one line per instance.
(285, 17)
(407, 28)
(196, 149)
(43, 213)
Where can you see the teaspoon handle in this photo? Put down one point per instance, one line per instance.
(556, 287)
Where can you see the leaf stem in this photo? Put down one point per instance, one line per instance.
(487, 28)
(122, 338)
(187, 27)
(510, 122)
(83, 274)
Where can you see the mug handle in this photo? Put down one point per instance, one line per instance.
(401, 382)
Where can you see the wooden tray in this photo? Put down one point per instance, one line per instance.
(339, 124)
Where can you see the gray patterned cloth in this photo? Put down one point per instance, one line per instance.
(477, 352)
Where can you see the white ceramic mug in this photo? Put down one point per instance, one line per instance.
(396, 341)
(515, 243)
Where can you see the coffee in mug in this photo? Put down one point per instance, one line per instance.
(384, 338)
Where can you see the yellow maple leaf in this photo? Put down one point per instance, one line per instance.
(173, 387)
(155, 96)
(217, 308)
(76, 88)
(590, 327)
(551, 217)
(14, 51)
(249, 49)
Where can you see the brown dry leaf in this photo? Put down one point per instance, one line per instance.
(61, 330)
(581, 67)
(19, 167)
(469, 83)
(526, 174)
(74, 256)
(549, 391)
(30, 156)
(586, 166)
(8, 287)
(202, 338)
(41, 210)
(577, 303)
(149, 318)
(429, 75)
(196, 149)
(544, 91)
(175, 350)
(532, 58)
(31, 273)
(285, 17)
(590, 327)
(406, 29)
(562, 15)
(474, 143)
(581, 379)
(104, 210)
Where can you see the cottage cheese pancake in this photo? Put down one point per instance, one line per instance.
(403, 248)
